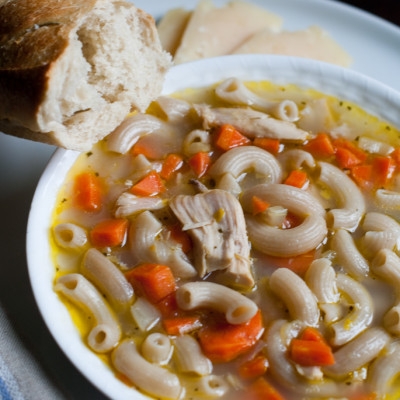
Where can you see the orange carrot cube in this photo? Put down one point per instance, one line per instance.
(109, 233)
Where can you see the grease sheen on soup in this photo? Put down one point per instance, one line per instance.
(238, 242)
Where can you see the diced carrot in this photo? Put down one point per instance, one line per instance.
(383, 170)
(227, 137)
(168, 306)
(150, 185)
(254, 367)
(291, 221)
(87, 191)
(155, 281)
(312, 335)
(172, 163)
(109, 233)
(347, 144)
(298, 264)
(258, 205)
(223, 342)
(142, 146)
(181, 325)
(181, 237)
(346, 159)
(311, 353)
(260, 389)
(362, 174)
(268, 144)
(200, 163)
(396, 156)
(321, 146)
(296, 178)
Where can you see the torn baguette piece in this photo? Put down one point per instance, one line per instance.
(71, 70)
(312, 42)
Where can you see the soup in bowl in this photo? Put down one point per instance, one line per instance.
(237, 241)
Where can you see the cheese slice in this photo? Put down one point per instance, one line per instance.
(313, 42)
(213, 31)
(171, 28)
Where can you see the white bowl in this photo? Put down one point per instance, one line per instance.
(345, 84)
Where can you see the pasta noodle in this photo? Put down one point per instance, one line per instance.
(374, 241)
(374, 221)
(295, 159)
(105, 335)
(190, 357)
(131, 129)
(157, 348)
(234, 91)
(237, 308)
(151, 378)
(348, 195)
(107, 277)
(174, 109)
(388, 198)
(212, 386)
(277, 242)
(348, 255)
(242, 159)
(70, 236)
(384, 370)
(196, 141)
(321, 279)
(228, 183)
(298, 298)
(357, 320)
(387, 265)
(391, 320)
(352, 356)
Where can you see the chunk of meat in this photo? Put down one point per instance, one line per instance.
(216, 224)
(250, 123)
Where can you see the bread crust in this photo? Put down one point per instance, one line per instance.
(35, 35)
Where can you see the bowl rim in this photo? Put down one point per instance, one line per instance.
(374, 97)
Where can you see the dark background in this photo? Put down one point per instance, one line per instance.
(387, 9)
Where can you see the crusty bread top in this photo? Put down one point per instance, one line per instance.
(66, 63)
(33, 33)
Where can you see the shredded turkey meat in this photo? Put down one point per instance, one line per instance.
(250, 123)
(216, 224)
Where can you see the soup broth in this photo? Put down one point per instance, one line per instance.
(238, 242)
